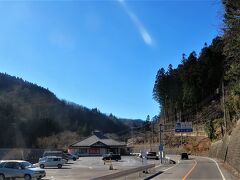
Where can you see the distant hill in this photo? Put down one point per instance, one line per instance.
(28, 111)
(132, 122)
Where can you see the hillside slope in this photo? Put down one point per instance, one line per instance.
(28, 111)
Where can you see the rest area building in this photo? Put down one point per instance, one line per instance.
(97, 145)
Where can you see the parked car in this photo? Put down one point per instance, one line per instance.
(135, 154)
(55, 153)
(152, 155)
(69, 156)
(44, 158)
(111, 156)
(20, 169)
(51, 161)
(184, 156)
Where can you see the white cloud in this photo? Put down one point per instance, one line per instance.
(142, 30)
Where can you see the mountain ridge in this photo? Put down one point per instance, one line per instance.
(30, 111)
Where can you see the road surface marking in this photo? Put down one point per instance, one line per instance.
(158, 166)
(217, 167)
(170, 168)
(189, 172)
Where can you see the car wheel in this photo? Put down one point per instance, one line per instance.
(27, 177)
(2, 177)
(42, 166)
(59, 166)
(74, 159)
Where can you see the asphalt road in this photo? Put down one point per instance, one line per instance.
(201, 168)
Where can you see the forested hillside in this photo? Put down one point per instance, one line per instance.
(205, 87)
(29, 112)
(197, 78)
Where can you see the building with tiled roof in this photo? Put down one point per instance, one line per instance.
(97, 144)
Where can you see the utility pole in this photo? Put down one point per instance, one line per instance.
(132, 135)
(224, 110)
(152, 134)
(150, 140)
(160, 144)
(181, 132)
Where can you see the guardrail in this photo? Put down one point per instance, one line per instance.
(125, 173)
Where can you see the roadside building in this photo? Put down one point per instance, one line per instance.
(97, 144)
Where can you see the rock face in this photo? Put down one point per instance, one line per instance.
(228, 149)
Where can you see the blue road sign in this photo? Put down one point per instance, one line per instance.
(183, 127)
(161, 147)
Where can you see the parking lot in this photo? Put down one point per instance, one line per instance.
(91, 167)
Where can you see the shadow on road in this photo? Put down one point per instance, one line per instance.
(58, 168)
(154, 175)
(69, 163)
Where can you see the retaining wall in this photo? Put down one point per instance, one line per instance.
(228, 149)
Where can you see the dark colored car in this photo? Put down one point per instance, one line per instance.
(69, 156)
(184, 156)
(115, 157)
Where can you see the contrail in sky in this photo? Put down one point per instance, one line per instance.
(142, 30)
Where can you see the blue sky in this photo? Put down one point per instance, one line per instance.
(103, 54)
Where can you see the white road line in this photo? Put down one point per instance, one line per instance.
(164, 170)
(158, 165)
(217, 167)
(170, 168)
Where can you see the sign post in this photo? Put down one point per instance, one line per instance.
(183, 127)
(161, 144)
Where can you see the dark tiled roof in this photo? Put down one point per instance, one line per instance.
(95, 139)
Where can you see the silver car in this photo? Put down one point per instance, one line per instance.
(51, 161)
(19, 169)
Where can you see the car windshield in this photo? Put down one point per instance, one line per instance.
(26, 165)
(106, 155)
(2, 164)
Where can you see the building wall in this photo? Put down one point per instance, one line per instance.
(103, 151)
(94, 151)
